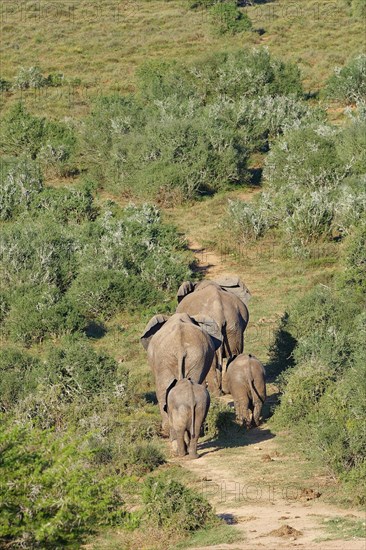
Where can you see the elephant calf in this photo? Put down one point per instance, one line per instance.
(245, 378)
(187, 407)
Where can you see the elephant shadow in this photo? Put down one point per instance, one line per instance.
(150, 397)
(231, 434)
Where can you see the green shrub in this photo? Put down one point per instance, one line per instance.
(324, 324)
(138, 244)
(30, 77)
(190, 129)
(21, 133)
(311, 218)
(20, 374)
(338, 427)
(5, 85)
(349, 82)
(55, 79)
(81, 371)
(242, 73)
(250, 220)
(66, 204)
(322, 393)
(228, 19)
(64, 275)
(20, 183)
(40, 252)
(52, 143)
(171, 505)
(305, 157)
(314, 186)
(38, 311)
(50, 494)
(184, 149)
(98, 293)
(351, 143)
(354, 277)
(143, 457)
(302, 387)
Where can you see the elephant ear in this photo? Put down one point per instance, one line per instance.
(185, 288)
(236, 286)
(211, 327)
(152, 328)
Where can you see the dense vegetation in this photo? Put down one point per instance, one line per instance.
(323, 393)
(79, 431)
(314, 192)
(190, 129)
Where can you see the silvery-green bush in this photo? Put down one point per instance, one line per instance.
(29, 77)
(20, 182)
(348, 83)
(314, 185)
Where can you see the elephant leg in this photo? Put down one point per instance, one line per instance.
(193, 447)
(181, 444)
(243, 414)
(165, 431)
(173, 440)
(165, 426)
(224, 384)
(257, 412)
(186, 438)
(212, 378)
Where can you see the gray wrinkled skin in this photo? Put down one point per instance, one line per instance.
(245, 380)
(225, 307)
(187, 408)
(179, 347)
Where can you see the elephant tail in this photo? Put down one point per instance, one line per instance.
(193, 412)
(181, 367)
(193, 420)
(253, 389)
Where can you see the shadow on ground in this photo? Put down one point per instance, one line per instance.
(235, 436)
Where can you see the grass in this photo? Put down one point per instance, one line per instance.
(99, 45)
(222, 534)
(311, 34)
(345, 528)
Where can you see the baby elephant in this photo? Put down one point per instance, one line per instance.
(245, 377)
(187, 408)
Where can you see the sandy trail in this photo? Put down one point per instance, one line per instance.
(253, 484)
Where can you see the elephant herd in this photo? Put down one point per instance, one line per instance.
(186, 353)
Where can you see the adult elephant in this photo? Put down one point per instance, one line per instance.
(180, 346)
(224, 300)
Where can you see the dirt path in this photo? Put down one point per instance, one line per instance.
(260, 486)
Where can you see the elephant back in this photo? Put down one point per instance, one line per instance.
(206, 300)
(182, 340)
